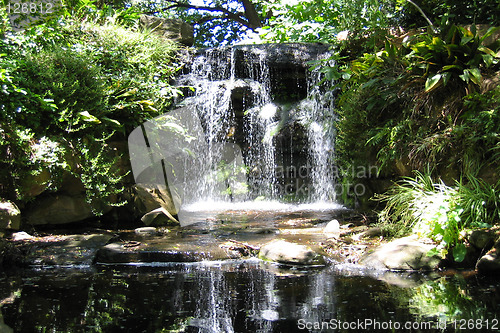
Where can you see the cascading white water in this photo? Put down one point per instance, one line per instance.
(319, 106)
(214, 78)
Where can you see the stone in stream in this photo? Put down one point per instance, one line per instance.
(284, 252)
(161, 250)
(490, 262)
(407, 253)
(146, 231)
(21, 236)
(68, 250)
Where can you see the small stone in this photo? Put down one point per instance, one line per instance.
(332, 229)
(146, 231)
(372, 232)
(490, 262)
(21, 236)
(481, 239)
(407, 253)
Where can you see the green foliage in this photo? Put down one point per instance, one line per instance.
(448, 300)
(70, 90)
(404, 104)
(440, 212)
(322, 21)
(461, 11)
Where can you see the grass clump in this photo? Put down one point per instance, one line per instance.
(440, 212)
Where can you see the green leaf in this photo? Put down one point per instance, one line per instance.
(432, 82)
(476, 76)
(128, 93)
(465, 76)
(459, 252)
(446, 68)
(488, 33)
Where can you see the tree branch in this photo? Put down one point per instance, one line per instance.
(237, 17)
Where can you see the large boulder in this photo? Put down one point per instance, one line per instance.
(10, 215)
(284, 252)
(172, 29)
(403, 254)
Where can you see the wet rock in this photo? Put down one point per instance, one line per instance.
(10, 216)
(290, 253)
(332, 229)
(158, 217)
(408, 253)
(370, 233)
(490, 262)
(69, 250)
(146, 231)
(160, 250)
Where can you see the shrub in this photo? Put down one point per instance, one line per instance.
(78, 86)
(440, 212)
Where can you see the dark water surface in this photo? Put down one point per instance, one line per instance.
(242, 296)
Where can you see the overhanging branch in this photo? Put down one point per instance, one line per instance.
(226, 14)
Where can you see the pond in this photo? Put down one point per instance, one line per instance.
(242, 296)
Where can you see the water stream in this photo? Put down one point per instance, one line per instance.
(241, 296)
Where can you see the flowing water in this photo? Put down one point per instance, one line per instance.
(239, 99)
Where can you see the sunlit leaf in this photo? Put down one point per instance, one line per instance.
(432, 82)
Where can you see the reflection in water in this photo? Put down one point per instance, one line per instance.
(233, 296)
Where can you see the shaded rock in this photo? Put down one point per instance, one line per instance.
(10, 216)
(69, 250)
(490, 262)
(406, 253)
(481, 239)
(160, 250)
(172, 29)
(60, 209)
(34, 185)
(290, 253)
(332, 229)
(146, 231)
(370, 233)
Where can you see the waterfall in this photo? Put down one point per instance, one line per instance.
(267, 128)
(319, 105)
